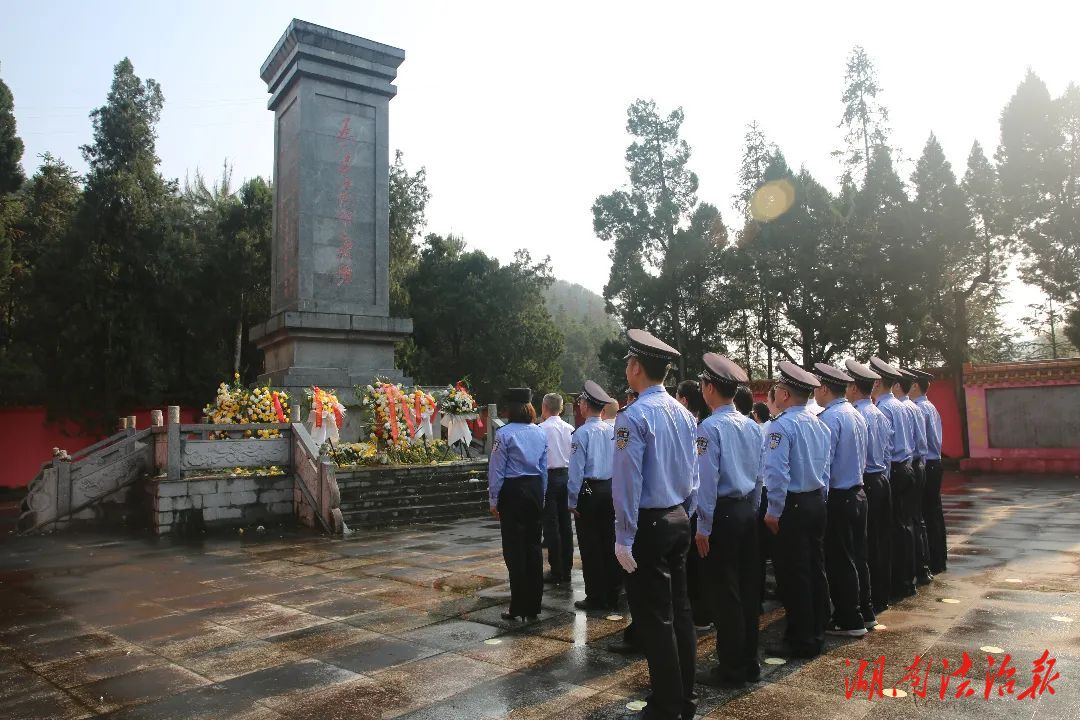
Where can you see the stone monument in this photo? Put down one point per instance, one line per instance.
(330, 321)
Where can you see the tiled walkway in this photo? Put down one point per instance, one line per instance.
(406, 624)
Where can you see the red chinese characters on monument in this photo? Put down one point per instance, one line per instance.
(999, 676)
(343, 274)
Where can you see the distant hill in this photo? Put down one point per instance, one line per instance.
(580, 315)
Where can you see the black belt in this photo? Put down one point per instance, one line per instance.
(596, 480)
(905, 463)
(808, 492)
(521, 477)
(853, 488)
(642, 511)
(559, 470)
(739, 498)
(872, 475)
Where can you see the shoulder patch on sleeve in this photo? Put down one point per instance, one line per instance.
(495, 447)
(573, 448)
(622, 437)
(702, 444)
(774, 440)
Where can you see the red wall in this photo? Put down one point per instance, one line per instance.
(26, 440)
(943, 395)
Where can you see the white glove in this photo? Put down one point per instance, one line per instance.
(625, 556)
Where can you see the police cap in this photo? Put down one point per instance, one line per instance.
(833, 377)
(594, 394)
(794, 376)
(646, 345)
(722, 371)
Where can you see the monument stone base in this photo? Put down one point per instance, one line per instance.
(333, 351)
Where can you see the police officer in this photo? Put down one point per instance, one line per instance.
(931, 499)
(918, 467)
(729, 492)
(591, 448)
(875, 482)
(901, 477)
(653, 479)
(796, 476)
(517, 482)
(845, 530)
(558, 532)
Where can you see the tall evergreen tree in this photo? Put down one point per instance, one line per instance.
(11, 146)
(409, 196)
(666, 248)
(865, 119)
(117, 273)
(1038, 163)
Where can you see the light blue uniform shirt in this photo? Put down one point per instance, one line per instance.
(878, 436)
(848, 439)
(728, 461)
(918, 421)
(796, 456)
(520, 449)
(654, 464)
(591, 448)
(933, 427)
(903, 434)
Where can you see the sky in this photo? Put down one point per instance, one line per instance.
(518, 111)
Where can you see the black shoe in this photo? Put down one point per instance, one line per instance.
(725, 680)
(588, 604)
(924, 579)
(530, 618)
(621, 647)
(553, 579)
(508, 616)
(794, 651)
(753, 673)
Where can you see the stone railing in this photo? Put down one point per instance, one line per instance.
(90, 483)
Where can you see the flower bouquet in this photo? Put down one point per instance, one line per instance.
(326, 416)
(237, 405)
(458, 408)
(395, 416)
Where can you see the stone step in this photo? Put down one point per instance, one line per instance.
(380, 517)
(404, 501)
(387, 481)
(419, 491)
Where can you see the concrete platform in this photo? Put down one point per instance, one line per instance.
(406, 624)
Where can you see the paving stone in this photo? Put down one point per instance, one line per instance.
(376, 654)
(136, 687)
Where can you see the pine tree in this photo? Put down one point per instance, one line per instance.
(667, 250)
(865, 119)
(11, 146)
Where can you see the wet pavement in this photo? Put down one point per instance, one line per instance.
(406, 623)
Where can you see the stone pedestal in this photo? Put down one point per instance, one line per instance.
(330, 321)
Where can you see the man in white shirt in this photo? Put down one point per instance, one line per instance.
(558, 532)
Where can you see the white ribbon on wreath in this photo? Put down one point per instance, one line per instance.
(457, 428)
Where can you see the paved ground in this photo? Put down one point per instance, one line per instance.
(406, 624)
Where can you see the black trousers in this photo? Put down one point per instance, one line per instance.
(731, 574)
(558, 532)
(934, 517)
(661, 609)
(596, 542)
(879, 528)
(918, 523)
(695, 585)
(765, 543)
(799, 560)
(846, 563)
(521, 507)
(902, 483)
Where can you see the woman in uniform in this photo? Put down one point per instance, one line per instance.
(517, 483)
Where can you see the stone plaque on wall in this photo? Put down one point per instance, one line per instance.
(1046, 416)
